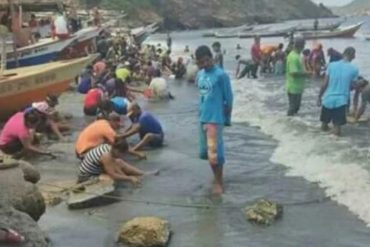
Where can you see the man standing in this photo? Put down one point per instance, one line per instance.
(216, 101)
(218, 58)
(335, 92)
(256, 55)
(295, 76)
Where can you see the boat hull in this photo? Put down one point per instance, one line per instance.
(22, 86)
(345, 33)
(38, 54)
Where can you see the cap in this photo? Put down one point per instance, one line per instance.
(42, 107)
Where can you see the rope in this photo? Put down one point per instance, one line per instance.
(180, 204)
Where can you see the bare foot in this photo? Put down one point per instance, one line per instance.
(217, 189)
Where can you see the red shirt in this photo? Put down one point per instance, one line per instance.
(256, 53)
(92, 98)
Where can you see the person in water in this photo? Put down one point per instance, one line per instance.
(334, 55)
(105, 160)
(179, 68)
(216, 102)
(362, 88)
(248, 63)
(317, 60)
(295, 76)
(219, 57)
(17, 136)
(100, 132)
(146, 125)
(335, 92)
(256, 55)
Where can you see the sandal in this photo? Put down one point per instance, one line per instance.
(11, 236)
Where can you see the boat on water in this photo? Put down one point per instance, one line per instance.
(344, 32)
(234, 32)
(140, 34)
(321, 27)
(267, 33)
(22, 86)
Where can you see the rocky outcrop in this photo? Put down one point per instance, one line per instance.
(193, 14)
(23, 224)
(21, 194)
(145, 232)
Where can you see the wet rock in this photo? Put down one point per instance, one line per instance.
(30, 174)
(145, 232)
(264, 212)
(24, 224)
(22, 195)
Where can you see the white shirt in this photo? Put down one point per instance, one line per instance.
(159, 87)
(60, 24)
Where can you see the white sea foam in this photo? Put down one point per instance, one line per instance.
(308, 153)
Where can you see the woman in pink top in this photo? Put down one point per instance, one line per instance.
(16, 136)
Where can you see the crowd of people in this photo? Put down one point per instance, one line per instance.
(299, 65)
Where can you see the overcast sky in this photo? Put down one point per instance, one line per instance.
(333, 2)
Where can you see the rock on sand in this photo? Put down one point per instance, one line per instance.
(145, 232)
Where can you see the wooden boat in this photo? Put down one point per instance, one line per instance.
(44, 51)
(265, 34)
(234, 32)
(22, 86)
(140, 34)
(345, 32)
(84, 40)
(321, 27)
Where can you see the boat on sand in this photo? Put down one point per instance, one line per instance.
(22, 86)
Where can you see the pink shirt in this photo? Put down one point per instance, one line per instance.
(14, 129)
(256, 53)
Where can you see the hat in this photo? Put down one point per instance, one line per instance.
(42, 107)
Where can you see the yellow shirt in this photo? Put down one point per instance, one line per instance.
(123, 73)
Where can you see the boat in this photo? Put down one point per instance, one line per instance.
(267, 33)
(84, 39)
(344, 32)
(22, 86)
(44, 51)
(321, 27)
(234, 32)
(140, 34)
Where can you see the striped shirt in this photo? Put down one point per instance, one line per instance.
(91, 164)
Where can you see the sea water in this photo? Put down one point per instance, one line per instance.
(339, 165)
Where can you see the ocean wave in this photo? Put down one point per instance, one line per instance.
(335, 164)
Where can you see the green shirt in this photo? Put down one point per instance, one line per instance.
(294, 84)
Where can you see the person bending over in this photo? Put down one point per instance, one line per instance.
(105, 159)
(146, 125)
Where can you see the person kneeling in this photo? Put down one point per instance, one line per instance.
(146, 125)
(105, 160)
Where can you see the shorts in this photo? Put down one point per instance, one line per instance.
(157, 141)
(13, 147)
(211, 144)
(91, 111)
(335, 115)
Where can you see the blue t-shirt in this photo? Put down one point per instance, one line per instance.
(85, 85)
(215, 95)
(148, 124)
(341, 76)
(120, 105)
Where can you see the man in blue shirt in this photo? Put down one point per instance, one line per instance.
(216, 101)
(335, 93)
(146, 125)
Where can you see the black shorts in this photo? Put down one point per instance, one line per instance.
(335, 115)
(13, 147)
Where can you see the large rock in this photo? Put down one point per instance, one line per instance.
(22, 195)
(264, 212)
(145, 232)
(24, 224)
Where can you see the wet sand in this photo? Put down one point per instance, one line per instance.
(310, 219)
